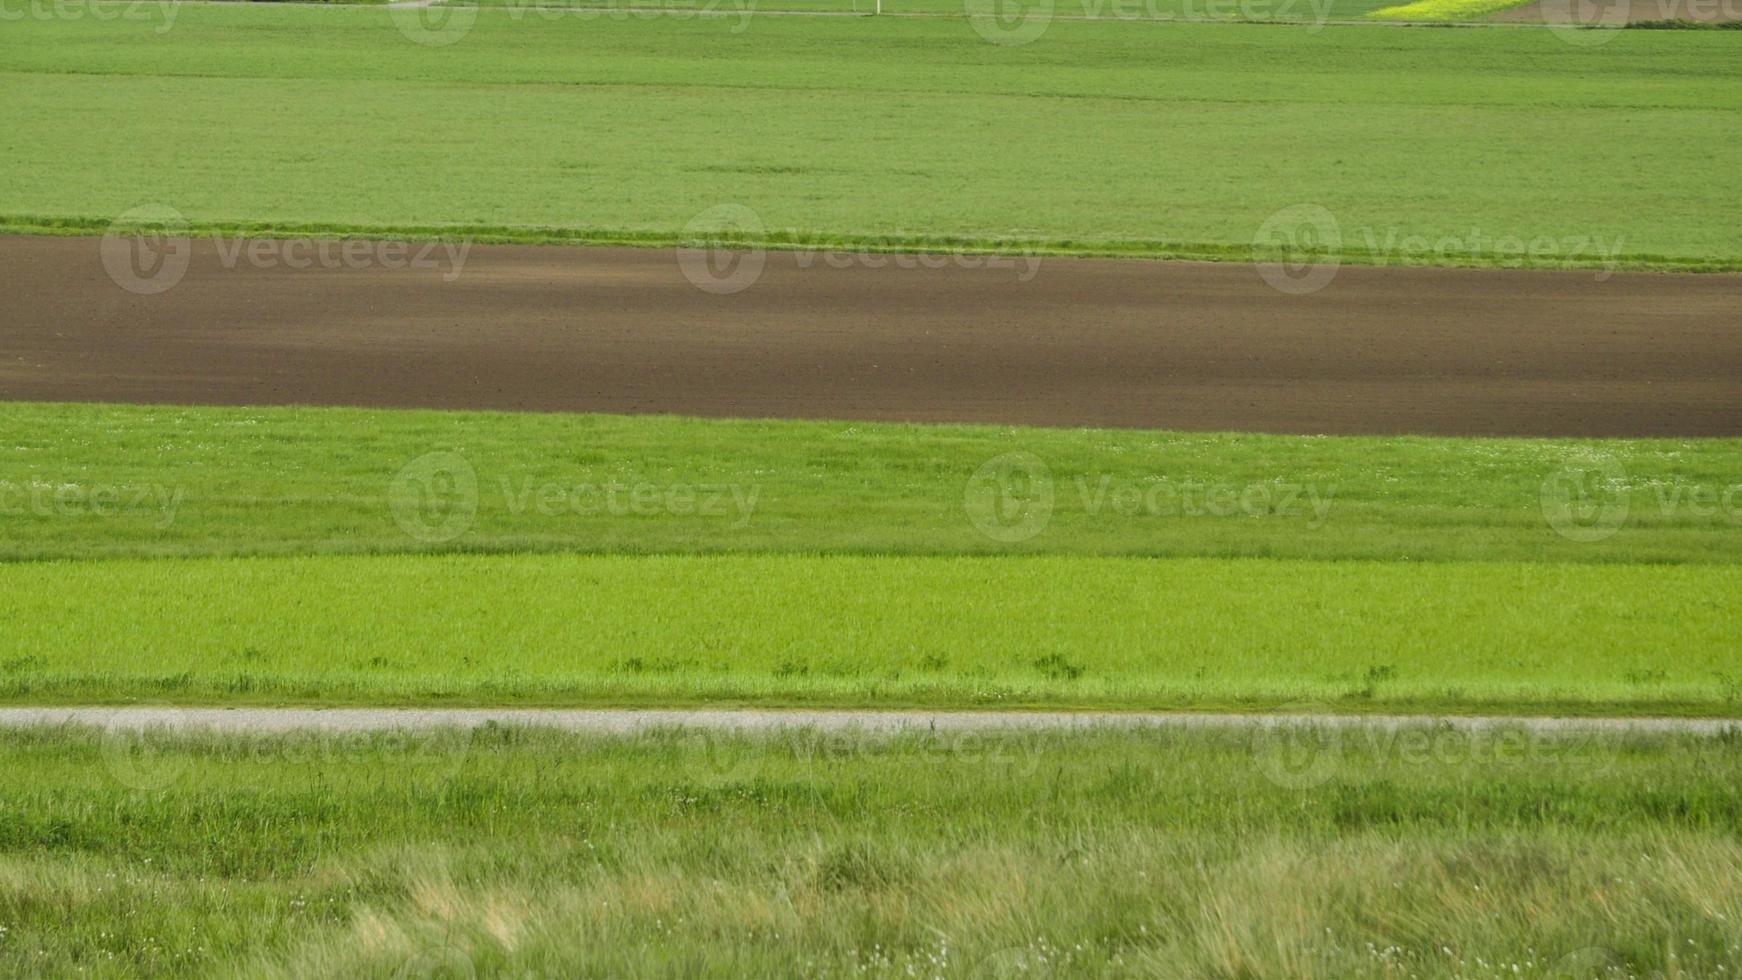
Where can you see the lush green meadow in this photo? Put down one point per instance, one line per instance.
(1255, 635)
(835, 563)
(84, 481)
(504, 853)
(1163, 139)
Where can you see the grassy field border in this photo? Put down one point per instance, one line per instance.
(797, 241)
(1425, 710)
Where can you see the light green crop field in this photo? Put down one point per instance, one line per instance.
(1423, 853)
(988, 632)
(1518, 575)
(1153, 138)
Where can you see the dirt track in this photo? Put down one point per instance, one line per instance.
(1084, 342)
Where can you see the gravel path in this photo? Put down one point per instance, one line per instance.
(268, 720)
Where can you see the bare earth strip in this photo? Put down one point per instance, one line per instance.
(1069, 342)
(625, 722)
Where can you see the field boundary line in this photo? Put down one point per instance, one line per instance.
(251, 720)
(794, 240)
(699, 12)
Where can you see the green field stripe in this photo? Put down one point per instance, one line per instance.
(1114, 139)
(798, 240)
(815, 630)
(85, 481)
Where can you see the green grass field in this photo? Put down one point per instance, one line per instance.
(716, 565)
(231, 556)
(1159, 139)
(992, 632)
(1284, 562)
(81, 481)
(1423, 854)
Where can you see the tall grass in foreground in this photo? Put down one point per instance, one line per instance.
(1214, 854)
